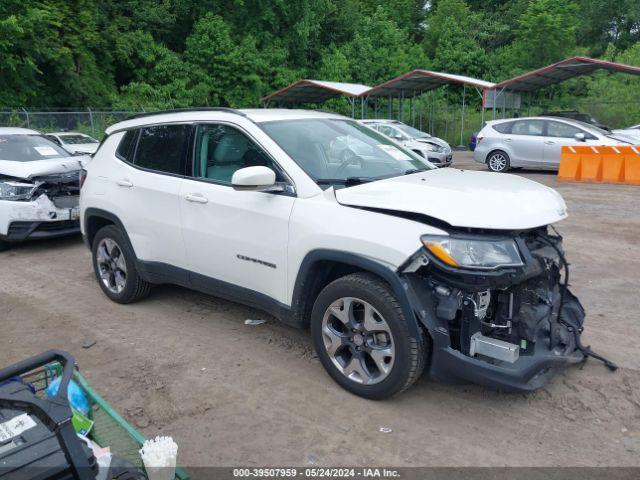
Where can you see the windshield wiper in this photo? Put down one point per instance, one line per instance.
(415, 170)
(345, 181)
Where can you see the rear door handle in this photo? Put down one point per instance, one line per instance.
(508, 140)
(124, 183)
(195, 198)
(549, 142)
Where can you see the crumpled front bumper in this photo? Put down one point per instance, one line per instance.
(39, 218)
(526, 374)
(552, 347)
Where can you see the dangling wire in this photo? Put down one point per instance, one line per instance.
(575, 329)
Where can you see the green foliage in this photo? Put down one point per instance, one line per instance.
(133, 54)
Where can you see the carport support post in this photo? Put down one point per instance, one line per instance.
(390, 108)
(464, 94)
(353, 107)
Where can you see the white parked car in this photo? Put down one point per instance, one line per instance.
(434, 149)
(75, 142)
(39, 188)
(536, 142)
(395, 266)
(632, 132)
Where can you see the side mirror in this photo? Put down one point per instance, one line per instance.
(579, 137)
(257, 179)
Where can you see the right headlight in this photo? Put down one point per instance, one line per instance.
(485, 254)
(16, 190)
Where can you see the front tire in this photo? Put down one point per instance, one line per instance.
(362, 337)
(3, 246)
(498, 162)
(115, 268)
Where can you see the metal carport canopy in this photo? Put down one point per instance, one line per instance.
(417, 81)
(315, 91)
(561, 71)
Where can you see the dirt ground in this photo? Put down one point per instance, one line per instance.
(184, 364)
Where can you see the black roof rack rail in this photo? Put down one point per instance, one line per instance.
(194, 109)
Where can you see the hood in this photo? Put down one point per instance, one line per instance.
(418, 142)
(463, 198)
(81, 147)
(37, 168)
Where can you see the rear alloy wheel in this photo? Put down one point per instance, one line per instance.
(362, 337)
(498, 162)
(114, 266)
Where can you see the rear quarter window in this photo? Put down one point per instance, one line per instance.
(503, 127)
(127, 146)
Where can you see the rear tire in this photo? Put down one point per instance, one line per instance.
(3, 246)
(114, 264)
(498, 161)
(362, 337)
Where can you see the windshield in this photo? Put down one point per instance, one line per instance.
(412, 132)
(76, 139)
(337, 151)
(27, 148)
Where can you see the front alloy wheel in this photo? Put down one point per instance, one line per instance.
(358, 340)
(363, 339)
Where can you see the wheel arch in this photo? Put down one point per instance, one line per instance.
(95, 219)
(496, 150)
(321, 267)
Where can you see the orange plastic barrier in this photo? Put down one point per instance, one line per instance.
(610, 164)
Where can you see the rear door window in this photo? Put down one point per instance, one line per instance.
(163, 148)
(528, 127)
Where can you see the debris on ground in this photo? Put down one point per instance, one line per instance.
(386, 430)
(88, 343)
(250, 321)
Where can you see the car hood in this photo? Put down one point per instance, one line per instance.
(463, 198)
(81, 147)
(419, 142)
(37, 168)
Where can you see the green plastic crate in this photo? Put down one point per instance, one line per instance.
(109, 428)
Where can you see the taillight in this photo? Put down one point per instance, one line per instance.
(479, 137)
(83, 177)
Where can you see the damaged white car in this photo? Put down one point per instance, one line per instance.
(395, 266)
(39, 188)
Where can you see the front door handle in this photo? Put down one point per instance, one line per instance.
(124, 183)
(508, 140)
(195, 198)
(549, 142)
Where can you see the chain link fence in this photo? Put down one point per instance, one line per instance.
(91, 122)
(438, 118)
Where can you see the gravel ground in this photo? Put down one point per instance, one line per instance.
(184, 364)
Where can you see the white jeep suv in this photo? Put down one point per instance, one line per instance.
(395, 266)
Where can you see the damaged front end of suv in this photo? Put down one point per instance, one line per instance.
(42, 206)
(497, 307)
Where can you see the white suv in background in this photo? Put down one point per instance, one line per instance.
(536, 142)
(394, 265)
